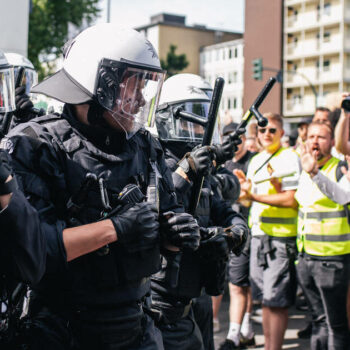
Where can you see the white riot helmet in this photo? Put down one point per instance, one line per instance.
(192, 94)
(115, 67)
(29, 76)
(7, 86)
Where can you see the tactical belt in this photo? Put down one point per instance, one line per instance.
(168, 315)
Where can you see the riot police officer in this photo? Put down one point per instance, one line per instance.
(206, 267)
(87, 173)
(22, 252)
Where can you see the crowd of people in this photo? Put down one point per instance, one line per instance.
(104, 244)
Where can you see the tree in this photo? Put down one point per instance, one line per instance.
(174, 63)
(48, 28)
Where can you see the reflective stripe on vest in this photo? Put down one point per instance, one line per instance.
(323, 228)
(276, 221)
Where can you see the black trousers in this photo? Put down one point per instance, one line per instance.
(203, 315)
(50, 331)
(325, 285)
(183, 334)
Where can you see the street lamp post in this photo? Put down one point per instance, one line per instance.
(280, 78)
(108, 11)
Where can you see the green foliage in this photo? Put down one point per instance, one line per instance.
(48, 28)
(174, 63)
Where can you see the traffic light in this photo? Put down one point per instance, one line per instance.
(257, 69)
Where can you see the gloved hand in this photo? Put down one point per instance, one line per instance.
(5, 169)
(213, 243)
(236, 238)
(197, 163)
(138, 222)
(228, 148)
(23, 103)
(225, 151)
(180, 229)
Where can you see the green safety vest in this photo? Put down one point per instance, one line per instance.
(323, 228)
(276, 221)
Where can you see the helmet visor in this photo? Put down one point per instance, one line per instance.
(130, 93)
(7, 91)
(178, 129)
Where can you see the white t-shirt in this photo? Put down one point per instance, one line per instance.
(285, 163)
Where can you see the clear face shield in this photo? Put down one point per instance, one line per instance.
(130, 93)
(177, 129)
(29, 78)
(7, 90)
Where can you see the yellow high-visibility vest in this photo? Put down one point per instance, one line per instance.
(323, 228)
(276, 221)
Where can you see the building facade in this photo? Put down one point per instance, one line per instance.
(316, 53)
(167, 29)
(263, 39)
(226, 60)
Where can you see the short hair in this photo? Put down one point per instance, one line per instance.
(327, 125)
(275, 117)
(322, 109)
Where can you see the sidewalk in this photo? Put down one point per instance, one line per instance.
(297, 321)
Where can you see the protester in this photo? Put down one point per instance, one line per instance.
(270, 185)
(323, 242)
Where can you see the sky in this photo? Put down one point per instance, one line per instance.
(216, 14)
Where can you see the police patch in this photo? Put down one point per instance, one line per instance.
(7, 144)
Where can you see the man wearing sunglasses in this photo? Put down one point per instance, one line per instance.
(270, 185)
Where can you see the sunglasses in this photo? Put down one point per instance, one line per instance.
(270, 130)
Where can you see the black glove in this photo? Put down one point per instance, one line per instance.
(229, 186)
(197, 163)
(24, 105)
(181, 230)
(136, 223)
(236, 238)
(5, 172)
(225, 151)
(213, 243)
(5, 169)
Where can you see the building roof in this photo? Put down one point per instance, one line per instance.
(179, 21)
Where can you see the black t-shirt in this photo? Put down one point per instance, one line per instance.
(242, 164)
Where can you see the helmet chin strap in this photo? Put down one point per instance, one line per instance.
(95, 114)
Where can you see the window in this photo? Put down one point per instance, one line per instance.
(230, 53)
(327, 36)
(228, 103)
(236, 52)
(326, 65)
(327, 8)
(234, 103)
(230, 78)
(234, 77)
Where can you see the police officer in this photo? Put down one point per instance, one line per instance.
(323, 241)
(25, 78)
(87, 172)
(22, 252)
(205, 267)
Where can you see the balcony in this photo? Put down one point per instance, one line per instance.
(303, 106)
(335, 44)
(334, 14)
(334, 74)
